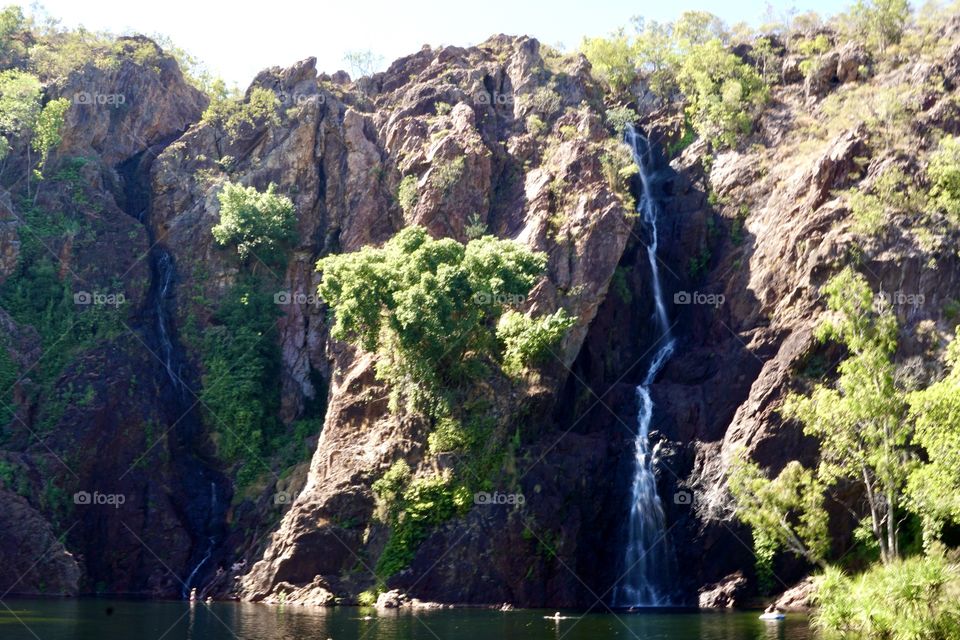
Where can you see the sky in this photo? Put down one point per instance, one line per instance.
(237, 39)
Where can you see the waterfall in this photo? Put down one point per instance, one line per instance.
(165, 273)
(647, 557)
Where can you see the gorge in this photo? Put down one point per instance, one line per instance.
(599, 296)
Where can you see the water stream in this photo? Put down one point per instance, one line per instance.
(645, 576)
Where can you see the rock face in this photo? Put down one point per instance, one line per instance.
(503, 136)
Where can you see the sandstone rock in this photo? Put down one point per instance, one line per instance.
(823, 75)
(851, 57)
(724, 594)
(790, 72)
(390, 600)
(799, 597)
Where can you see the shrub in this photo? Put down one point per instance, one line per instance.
(233, 115)
(878, 23)
(618, 118)
(529, 341)
(618, 168)
(722, 93)
(407, 194)
(447, 173)
(612, 60)
(428, 308)
(259, 224)
(912, 599)
(535, 125)
(943, 172)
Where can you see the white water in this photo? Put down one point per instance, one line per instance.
(646, 562)
(165, 272)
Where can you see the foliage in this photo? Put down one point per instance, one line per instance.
(535, 125)
(19, 104)
(612, 60)
(414, 507)
(529, 341)
(619, 118)
(656, 57)
(362, 63)
(892, 192)
(259, 224)
(722, 92)
(878, 23)
(428, 308)
(240, 396)
(933, 490)
(407, 194)
(236, 116)
(786, 512)
(860, 421)
(943, 173)
(47, 136)
(912, 599)
(618, 168)
(446, 174)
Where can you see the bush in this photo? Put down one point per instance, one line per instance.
(618, 118)
(618, 168)
(407, 194)
(723, 93)
(447, 173)
(912, 599)
(529, 341)
(233, 115)
(612, 59)
(428, 308)
(943, 172)
(259, 224)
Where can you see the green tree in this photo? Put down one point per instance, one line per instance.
(943, 173)
(786, 512)
(259, 224)
(722, 92)
(933, 490)
(879, 23)
(46, 135)
(860, 421)
(429, 309)
(656, 57)
(362, 63)
(19, 103)
(695, 28)
(11, 23)
(613, 60)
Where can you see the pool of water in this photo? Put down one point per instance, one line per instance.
(99, 619)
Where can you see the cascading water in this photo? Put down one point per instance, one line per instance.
(211, 545)
(647, 557)
(163, 263)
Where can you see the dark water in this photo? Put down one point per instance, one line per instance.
(122, 620)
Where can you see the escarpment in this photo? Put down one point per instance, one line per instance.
(179, 416)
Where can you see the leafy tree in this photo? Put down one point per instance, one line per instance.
(230, 112)
(943, 172)
(526, 341)
(784, 513)
(259, 224)
(46, 136)
(613, 60)
(722, 92)
(933, 490)
(656, 57)
(19, 103)
(428, 308)
(619, 117)
(695, 28)
(880, 23)
(362, 63)
(11, 23)
(860, 421)
(408, 194)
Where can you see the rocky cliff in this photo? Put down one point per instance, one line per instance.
(114, 461)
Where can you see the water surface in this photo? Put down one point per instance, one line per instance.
(97, 619)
